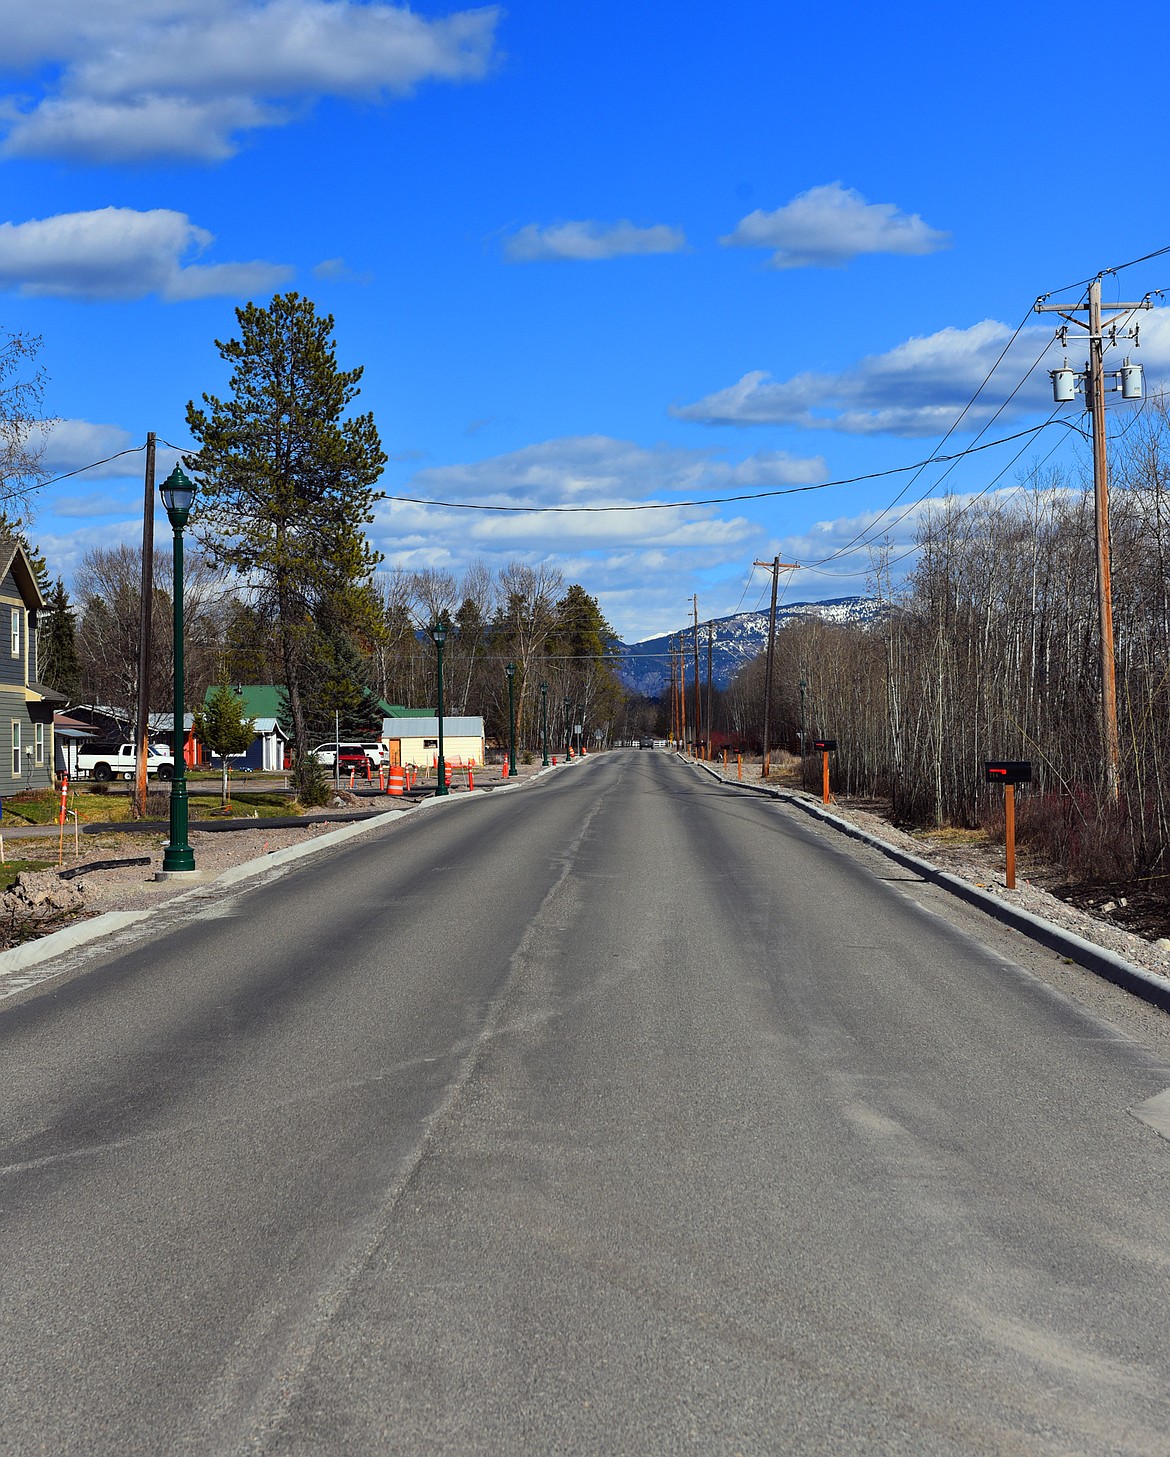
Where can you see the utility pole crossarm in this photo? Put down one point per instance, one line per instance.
(1064, 309)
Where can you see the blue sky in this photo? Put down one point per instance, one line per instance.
(588, 255)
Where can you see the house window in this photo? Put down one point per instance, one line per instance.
(16, 748)
(17, 615)
(38, 744)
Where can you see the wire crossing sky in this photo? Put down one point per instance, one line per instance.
(656, 290)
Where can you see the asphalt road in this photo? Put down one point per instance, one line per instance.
(620, 1114)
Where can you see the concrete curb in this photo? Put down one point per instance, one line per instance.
(1108, 965)
(32, 953)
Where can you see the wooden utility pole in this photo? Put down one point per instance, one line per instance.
(775, 566)
(710, 649)
(673, 695)
(1094, 378)
(682, 693)
(698, 715)
(142, 720)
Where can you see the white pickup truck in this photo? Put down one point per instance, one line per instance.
(114, 761)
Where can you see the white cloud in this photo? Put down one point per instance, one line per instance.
(590, 241)
(827, 226)
(598, 470)
(337, 270)
(917, 388)
(118, 253)
(151, 79)
(71, 444)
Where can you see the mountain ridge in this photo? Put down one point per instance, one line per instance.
(645, 666)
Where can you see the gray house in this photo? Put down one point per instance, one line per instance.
(26, 706)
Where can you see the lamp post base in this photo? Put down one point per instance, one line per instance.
(191, 874)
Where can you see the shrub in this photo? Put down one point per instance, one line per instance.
(313, 782)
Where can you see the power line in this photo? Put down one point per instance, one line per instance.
(867, 533)
(93, 465)
(1117, 268)
(722, 500)
(966, 506)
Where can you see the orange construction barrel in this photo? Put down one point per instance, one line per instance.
(397, 782)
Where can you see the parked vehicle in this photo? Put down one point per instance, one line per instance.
(120, 761)
(377, 753)
(352, 756)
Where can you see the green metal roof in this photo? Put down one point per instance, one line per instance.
(261, 700)
(267, 700)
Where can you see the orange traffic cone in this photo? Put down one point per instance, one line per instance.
(504, 774)
(470, 775)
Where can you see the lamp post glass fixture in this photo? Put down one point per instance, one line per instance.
(544, 724)
(178, 496)
(510, 669)
(438, 634)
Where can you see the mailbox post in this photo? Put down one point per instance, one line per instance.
(827, 747)
(1009, 773)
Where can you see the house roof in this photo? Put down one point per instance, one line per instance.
(261, 700)
(47, 694)
(428, 728)
(14, 558)
(268, 701)
(72, 728)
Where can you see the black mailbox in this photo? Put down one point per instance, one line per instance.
(829, 746)
(1009, 771)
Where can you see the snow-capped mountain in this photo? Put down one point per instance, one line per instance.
(645, 666)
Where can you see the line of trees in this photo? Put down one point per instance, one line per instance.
(992, 652)
(555, 634)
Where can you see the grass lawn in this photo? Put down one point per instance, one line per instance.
(12, 868)
(42, 806)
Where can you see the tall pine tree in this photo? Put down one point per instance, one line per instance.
(60, 663)
(287, 484)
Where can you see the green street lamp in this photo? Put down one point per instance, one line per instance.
(579, 725)
(438, 634)
(544, 723)
(178, 495)
(510, 669)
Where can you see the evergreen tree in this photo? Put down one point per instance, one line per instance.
(584, 643)
(222, 726)
(59, 662)
(286, 483)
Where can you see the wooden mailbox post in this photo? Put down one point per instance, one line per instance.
(1009, 773)
(827, 747)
